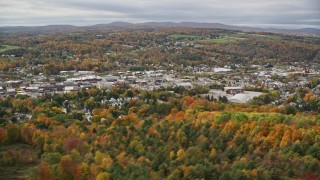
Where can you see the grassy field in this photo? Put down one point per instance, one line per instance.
(17, 170)
(183, 36)
(4, 48)
(221, 40)
(245, 35)
(225, 38)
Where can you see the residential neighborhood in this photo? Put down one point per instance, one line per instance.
(230, 83)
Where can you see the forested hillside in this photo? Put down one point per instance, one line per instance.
(183, 137)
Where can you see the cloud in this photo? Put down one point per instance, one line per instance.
(271, 13)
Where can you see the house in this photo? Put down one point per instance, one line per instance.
(185, 85)
(69, 83)
(84, 73)
(111, 78)
(85, 85)
(233, 90)
(32, 89)
(158, 81)
(11, 91)
(218, 69)
(67, 72)
(21, 93)
(59, 86)
(22, 117)
(104, 85)
(68, 89)
(131, 79)
(142, 82)
(47, 87)
(120, 83)
(13, 84)
(1, 90)
(88, 78)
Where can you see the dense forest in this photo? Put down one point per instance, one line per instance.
(181, 137)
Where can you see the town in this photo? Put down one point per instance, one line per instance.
(118, 102)
(221, 81)
(121, 65)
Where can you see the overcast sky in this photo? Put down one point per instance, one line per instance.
(256, 13)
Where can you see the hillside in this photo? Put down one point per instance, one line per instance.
(183, 138)
(67, 28)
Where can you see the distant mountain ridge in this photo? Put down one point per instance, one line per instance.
(61, 28)
(48, 28)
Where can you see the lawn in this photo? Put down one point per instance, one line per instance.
(246, 35)
(4, 47)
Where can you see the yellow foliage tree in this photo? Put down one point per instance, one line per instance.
(103, 176)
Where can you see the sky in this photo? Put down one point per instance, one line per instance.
(255, 13)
